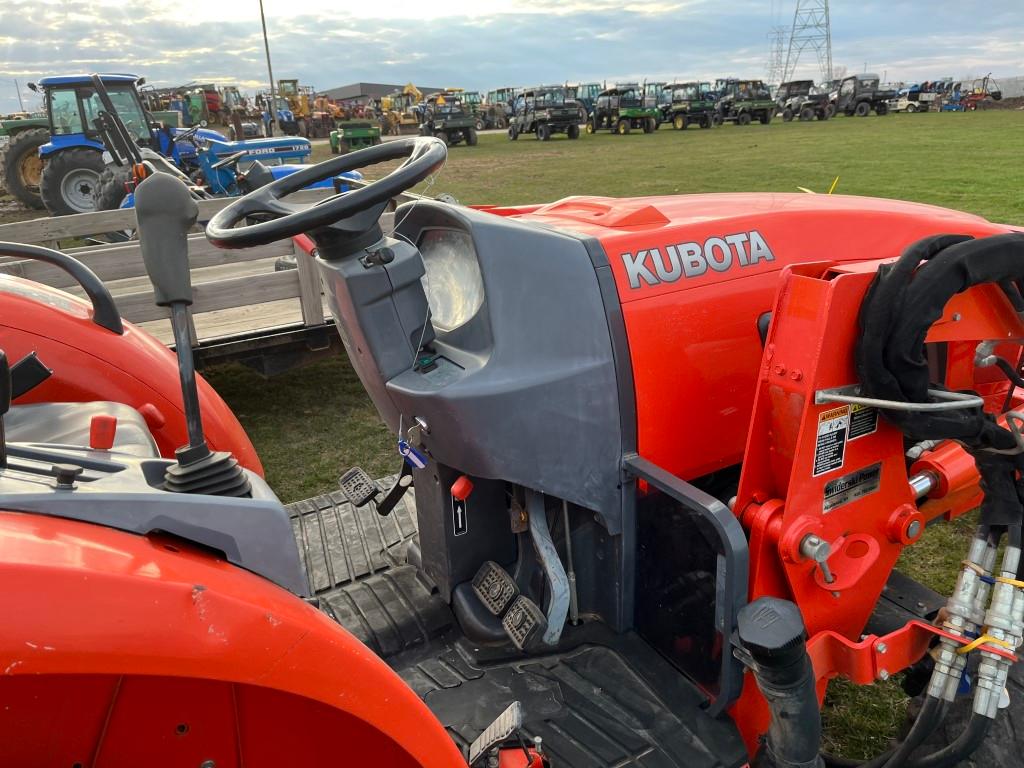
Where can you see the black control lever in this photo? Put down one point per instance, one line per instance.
(5, 404)
(166, 212)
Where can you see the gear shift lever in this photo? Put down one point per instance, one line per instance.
(166, 211)
(5, 404)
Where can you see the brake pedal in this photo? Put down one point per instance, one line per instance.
(358, 487)
(524, 623)
(495, 587)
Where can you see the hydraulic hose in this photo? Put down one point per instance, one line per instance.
(963, 746)
(929, 718)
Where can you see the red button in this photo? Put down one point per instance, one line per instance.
(102, 429)
(462, 487)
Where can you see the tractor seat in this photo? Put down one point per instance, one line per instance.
(68, 424)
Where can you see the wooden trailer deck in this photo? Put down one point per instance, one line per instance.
(244, 310)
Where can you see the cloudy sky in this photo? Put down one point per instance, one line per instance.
(481, 44)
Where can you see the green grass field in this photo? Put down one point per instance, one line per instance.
(310, 424)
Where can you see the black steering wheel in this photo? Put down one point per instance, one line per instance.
(424, 156)
(229, 160)
(188, 135)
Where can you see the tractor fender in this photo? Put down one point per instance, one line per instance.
(92, 363)
(59, 143)
(142, 650)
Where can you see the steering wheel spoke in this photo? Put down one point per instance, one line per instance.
(422, 157)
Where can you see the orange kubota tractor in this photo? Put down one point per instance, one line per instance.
(658, 459)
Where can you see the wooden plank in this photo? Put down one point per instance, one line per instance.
(234, 292)
(224, 324)
(122, 262)
(97, 222)
(310, 293)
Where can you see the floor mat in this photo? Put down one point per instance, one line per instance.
(611, 701)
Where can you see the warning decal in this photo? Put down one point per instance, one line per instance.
(863, 420)
(830, 445)
(853, 486)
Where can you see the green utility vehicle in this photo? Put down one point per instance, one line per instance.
(621, 109)
(354, 134)
(543, 111)
(743, 101)
(21, 136)
(446, 116)
(685, 104)
(803, 100)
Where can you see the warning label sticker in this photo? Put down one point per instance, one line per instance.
(863, 421)
(830, 445)
(853, 486)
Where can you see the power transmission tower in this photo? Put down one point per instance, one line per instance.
(811, 29)
(776, 61)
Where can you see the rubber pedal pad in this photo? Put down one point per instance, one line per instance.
(495, 587)
(358, 487)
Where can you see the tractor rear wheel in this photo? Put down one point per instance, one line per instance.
(807, 113)
(787, 115)
(622, 127)
(543, 132)
(110, 191)
(573, 131)
(21, 166)
(69, 181)
(743, 118)
(863, 109)
(471, 137)
(679, 122)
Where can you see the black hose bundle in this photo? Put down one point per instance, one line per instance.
(901, 305)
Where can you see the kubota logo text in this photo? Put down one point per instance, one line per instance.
(668, 264)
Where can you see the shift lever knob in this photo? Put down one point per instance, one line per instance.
(166, 212)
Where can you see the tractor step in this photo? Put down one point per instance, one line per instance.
(610, 700)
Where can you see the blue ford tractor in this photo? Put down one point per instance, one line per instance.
(77, 178)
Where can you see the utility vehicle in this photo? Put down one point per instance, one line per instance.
(743, 101)
(445, 116)
(354, 134)
(585, 95)
(859, 94)
(685, 104)
(803, 100)
(621, 109)
(544, 111)
(602, 547)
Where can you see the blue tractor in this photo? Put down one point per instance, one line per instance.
(77, 178)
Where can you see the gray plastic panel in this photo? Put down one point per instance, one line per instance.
(121, 491)
(527, 390)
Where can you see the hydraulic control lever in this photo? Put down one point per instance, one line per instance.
(166, 211)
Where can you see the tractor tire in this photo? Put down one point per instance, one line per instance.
(543, 132)
(679, 122)
(480, 125)
(743, 118)
(443, 137)
(882, 109)
(622, 127)
(806, 114)
(471, 137)
(706, 121)
(111, 191)
(787, 115)
(717, 119)
(21, 167)
(573, 131)
(650, 125)
(513, 134)
(863, 109)
(824, 114)
(69, 181)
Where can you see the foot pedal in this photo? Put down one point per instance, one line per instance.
(358, 487)
(507, 723)
(524, 623)
(495, 587)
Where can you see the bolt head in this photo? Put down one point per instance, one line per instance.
(914, 529)
(883, 674)
(882, 647)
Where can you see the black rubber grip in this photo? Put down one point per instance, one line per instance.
(166, 212)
